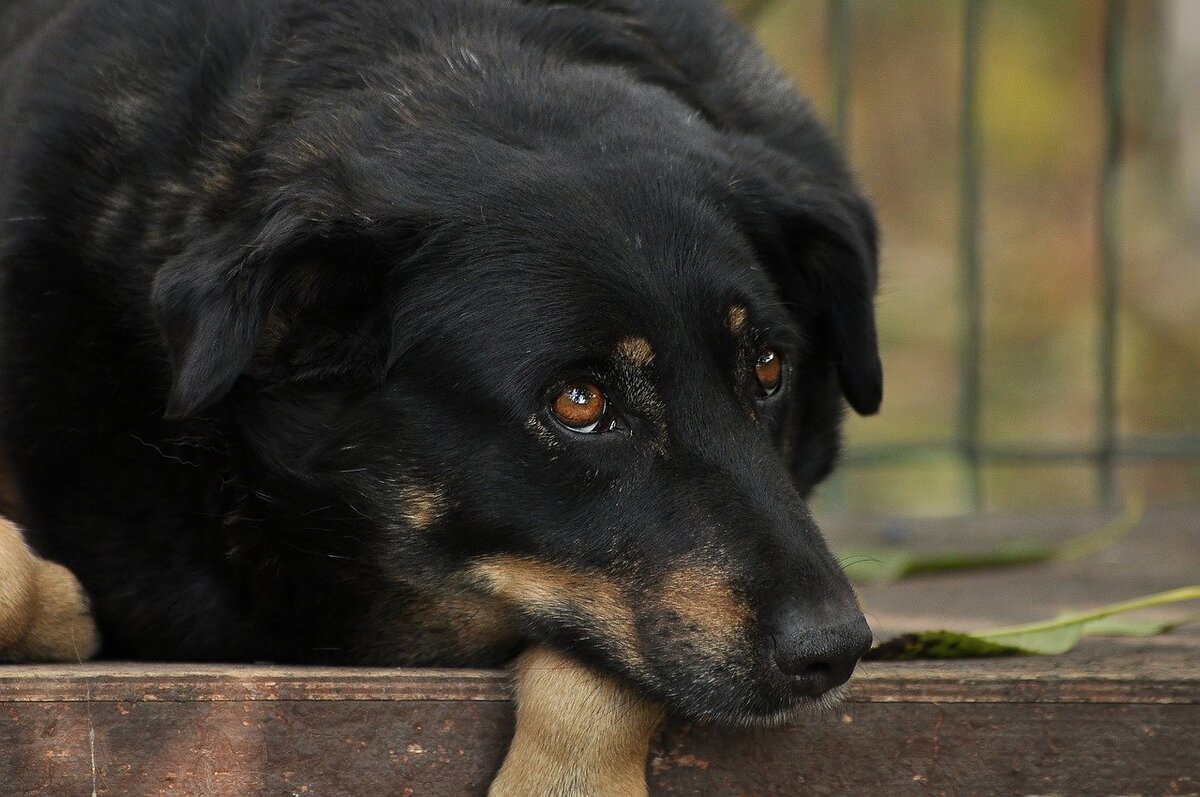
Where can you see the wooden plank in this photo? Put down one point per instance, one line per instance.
(956, 749)
(1108, 671)
(247, 747)
(244, 747)
(125, 682)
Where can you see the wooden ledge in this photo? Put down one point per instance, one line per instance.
(1111, 717)
(1034, 726)
(123, 682)
(1100, 671)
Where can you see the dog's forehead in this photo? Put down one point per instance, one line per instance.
(542, 261)
(598, 293)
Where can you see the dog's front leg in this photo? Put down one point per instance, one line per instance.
(580, 732)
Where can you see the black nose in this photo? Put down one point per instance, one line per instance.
(820, 658)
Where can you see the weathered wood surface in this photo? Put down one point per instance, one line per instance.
(1162, 552)
(1112, 717)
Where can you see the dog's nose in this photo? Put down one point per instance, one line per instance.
(822, 657)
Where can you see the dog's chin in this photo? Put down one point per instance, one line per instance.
(793, 711)
(800, 709)
(754, 709)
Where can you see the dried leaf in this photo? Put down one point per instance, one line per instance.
(1047, 638)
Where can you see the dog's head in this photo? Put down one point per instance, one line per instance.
(585, 357)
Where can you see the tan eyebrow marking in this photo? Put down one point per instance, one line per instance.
(636, 349)
(633, 354)
(737, 319)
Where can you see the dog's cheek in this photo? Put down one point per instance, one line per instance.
(701, 643)
(567, 602)
(703, 597)
(451, 626)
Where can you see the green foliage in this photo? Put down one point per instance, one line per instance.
(1047, 638)
(938, 645)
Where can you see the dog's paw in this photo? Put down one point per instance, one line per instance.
(580, 732)
(44, 613)
(63, 628)
(17, 574)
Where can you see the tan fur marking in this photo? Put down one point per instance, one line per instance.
(451, 625)
(546, 589)
(580, 732)
(704, 598)
(633, 354)
(422, 505)
(17, 568)
(43, 612)
(636, 349)
(737, 319)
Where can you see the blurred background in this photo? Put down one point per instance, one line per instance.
(1035, 165)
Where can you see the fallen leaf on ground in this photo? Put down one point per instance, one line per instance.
(1046, 638)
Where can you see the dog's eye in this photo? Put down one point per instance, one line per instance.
(580, 406)
(769, 371)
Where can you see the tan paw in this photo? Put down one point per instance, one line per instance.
(44, 613)
(17, 571)
(580, 732)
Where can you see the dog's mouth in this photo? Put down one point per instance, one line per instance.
(759, 713)
(806, 706)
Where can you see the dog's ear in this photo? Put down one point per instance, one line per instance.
(821, 245)
(211, 303)
(835, 237)
(239, 292)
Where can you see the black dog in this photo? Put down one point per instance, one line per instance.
(354, 331)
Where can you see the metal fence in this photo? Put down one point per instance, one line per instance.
(967, 446)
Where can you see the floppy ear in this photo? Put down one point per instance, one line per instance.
(287, 300)
(211, 303)
(821, 245)
(835, 238)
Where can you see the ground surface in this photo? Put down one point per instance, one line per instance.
(1112, 717)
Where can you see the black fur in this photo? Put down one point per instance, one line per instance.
(276, 273)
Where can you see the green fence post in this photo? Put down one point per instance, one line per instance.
(840, 50)
(1106, 410)
(970, 353)
(839, 45)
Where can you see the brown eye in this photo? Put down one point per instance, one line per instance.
(769, 370)
(580, 407)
